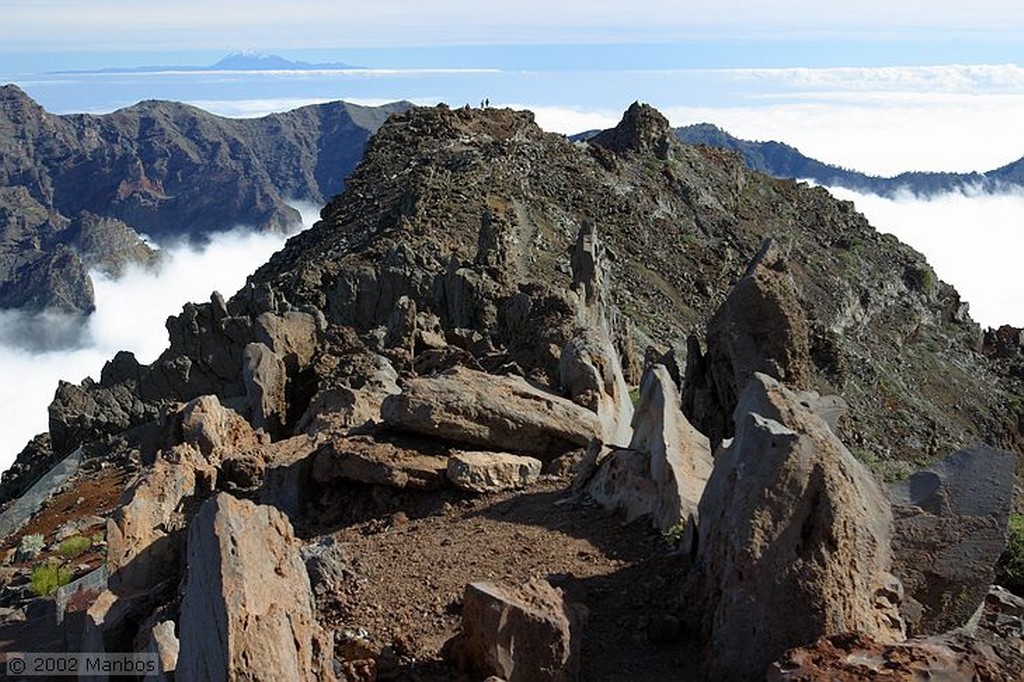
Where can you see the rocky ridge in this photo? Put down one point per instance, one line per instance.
(78, 190)
(473, 255)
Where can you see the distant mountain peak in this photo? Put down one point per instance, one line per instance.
(642, 129)
(251, 60)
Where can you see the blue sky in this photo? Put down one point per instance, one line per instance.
(687, 34)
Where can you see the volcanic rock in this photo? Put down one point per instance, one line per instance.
(218, 432)
(401, 463)
(248, 611)
(668, 462)
(590, 372)
(793, 539)
(145, 533)
(266, 387)
(525, 634)
(950, 529)
(497, 412)
(761, 327)
(490, 472)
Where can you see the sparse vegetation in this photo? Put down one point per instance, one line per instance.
(1010, 569)
(74, 546)
(49, 576)
(674, 535)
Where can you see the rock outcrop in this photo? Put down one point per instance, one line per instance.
(668, 462)
(950, 529)
(525, 634)
(496, 412)
(247, 611)
(145, 535)
(590, 372)
(989, 649)
(402, 463)
(761, 327)
(80, 189)
(793, 540)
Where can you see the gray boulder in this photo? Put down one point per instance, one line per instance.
(761, 327)
(950, 529)
(793, 540)
(665, 469)
(496, 412)
(266, 383)
(590, 373)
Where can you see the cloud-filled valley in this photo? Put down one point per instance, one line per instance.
(972, 240)
(37, 351)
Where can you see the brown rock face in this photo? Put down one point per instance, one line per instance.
(793, 539)
(145, 534)
(526, 634)
(496, 412)
(405, 463)
(218, 432)
(247, 613)
(761, 327)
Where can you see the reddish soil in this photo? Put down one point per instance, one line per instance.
(410, 568)
(89, 494)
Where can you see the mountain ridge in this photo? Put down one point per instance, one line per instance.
(361, 431)
(785, 161)
(164, 169)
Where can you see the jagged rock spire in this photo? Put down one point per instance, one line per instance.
(642, 129)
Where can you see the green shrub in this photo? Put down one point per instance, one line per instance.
(46, 578)
(74, 546)
(1010, 569)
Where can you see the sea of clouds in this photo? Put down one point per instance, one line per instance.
(37, 351)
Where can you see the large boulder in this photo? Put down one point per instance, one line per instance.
(793, 539)
(665, 469)
(496, 412)
(293, 336)
(266, 387)
(761, 327)
(218, 432)
(590, 373)
(950, 529)
(525, 634)
(413, 463)
(247, 612)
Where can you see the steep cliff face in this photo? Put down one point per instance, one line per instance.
(165, 170)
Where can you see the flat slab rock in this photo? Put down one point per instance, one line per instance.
(402, 463)
(503, 413)
(491, 472)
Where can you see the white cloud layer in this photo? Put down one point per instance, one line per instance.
(36, 352)
(973, 241)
